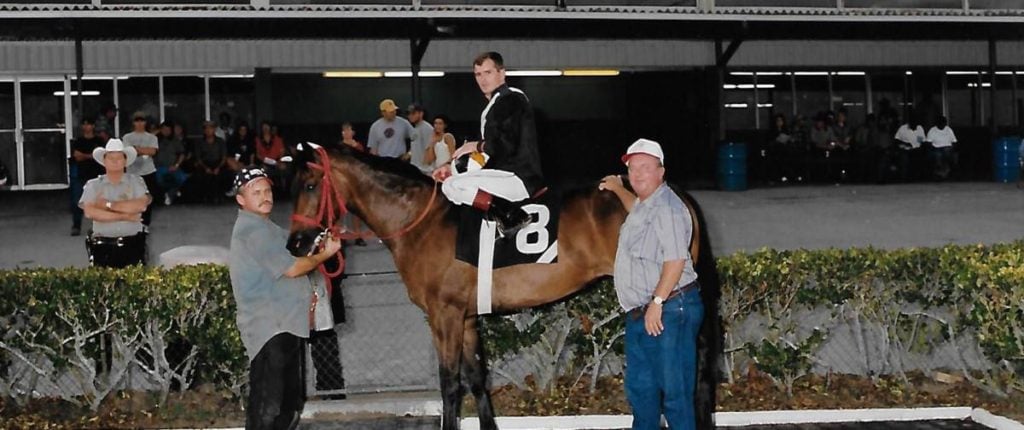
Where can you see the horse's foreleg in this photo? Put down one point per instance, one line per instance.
(474, 367)
(448, 333)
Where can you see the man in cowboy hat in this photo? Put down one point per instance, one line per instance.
(273, 296)
(115, 202)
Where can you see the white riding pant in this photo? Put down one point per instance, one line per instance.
(462, 188)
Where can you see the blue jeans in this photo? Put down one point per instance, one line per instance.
(170, 181)
(661, 372)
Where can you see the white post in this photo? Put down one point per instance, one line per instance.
(69, 120)
(757, 109)
(19, 134)
(792, 87)
(206, 95)
(117, 114)
(945, 101)
(160, 80)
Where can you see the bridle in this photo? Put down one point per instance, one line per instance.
(330, 198)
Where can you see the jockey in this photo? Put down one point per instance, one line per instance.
(509, 163)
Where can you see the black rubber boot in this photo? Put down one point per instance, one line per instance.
(510, 216)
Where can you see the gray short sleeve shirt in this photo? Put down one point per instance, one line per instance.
(657, 230)
(268, 302)
(143, 165)
(388, 137)
(129, 188)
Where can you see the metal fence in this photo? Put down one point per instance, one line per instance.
(383, 344)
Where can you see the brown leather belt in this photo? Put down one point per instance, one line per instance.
(639, 311)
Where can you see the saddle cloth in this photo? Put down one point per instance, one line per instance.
(535, 243)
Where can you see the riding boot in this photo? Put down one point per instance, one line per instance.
(509, 216)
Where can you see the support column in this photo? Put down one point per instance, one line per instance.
(264, 96)
(417, 47)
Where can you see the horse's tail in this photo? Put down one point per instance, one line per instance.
(709, 342)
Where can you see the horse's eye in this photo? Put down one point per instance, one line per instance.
(310, 187)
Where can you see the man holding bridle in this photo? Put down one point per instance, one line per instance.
(275, 298)
(503, 169)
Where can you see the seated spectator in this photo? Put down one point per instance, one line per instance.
(822, 136)
(224, 130)
(942, 154)
(240, 148)
(211, 176)
(909, 138)
(168, 159)
(189, 165)
(269, 152)
(115, 202)
(842, 131)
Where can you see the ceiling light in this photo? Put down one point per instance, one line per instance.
(353, 74)
(849, 73)
(408, 74)
(590, 72)
(811, 73)
(735, 105)
(75, 93)
(243, 76)
(533, 73)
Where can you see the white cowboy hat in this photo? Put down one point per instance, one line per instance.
(114, 145)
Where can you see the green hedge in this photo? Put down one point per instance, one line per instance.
(180, 323)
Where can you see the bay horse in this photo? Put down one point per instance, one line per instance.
(400, 204)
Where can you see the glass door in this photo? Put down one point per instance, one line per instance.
(44, 144)
(8, 145)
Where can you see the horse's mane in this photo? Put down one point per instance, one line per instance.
(393, 172)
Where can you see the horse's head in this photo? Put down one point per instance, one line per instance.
(319, 202)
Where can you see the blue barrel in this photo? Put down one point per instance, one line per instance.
(1006, 159)
(732, 166)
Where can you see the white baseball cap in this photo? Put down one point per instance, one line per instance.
(644, 146)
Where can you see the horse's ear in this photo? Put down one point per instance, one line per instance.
(304, 154)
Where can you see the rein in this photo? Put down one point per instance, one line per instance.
(330, 198)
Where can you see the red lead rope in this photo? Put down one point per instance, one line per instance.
(330, 197)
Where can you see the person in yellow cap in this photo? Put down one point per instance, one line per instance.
(390, 134)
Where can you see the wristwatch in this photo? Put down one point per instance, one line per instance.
(658, 300)
(109, 205)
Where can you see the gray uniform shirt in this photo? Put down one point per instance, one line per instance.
(388, 137)
(129, 188)
(268, 302)
(418, 147)
(657, 230)
(143, 165)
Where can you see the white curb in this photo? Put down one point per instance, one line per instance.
(737, 419)
(996, 422)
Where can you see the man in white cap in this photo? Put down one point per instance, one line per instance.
(273, 296)
(656, 284)
(146, 146)
(115, 202)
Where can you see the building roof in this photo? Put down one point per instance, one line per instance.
(603, 12)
